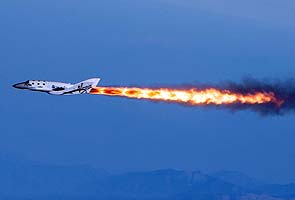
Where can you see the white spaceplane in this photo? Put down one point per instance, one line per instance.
(58, 88)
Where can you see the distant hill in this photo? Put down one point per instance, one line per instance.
(30, 180)
(238, 178)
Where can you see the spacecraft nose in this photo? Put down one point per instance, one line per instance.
(19, 85)
(15, 85)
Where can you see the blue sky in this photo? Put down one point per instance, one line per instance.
(145, 43)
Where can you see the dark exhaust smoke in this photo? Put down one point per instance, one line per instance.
(283, 90)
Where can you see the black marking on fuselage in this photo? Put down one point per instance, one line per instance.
(58, 89)
(84, 90)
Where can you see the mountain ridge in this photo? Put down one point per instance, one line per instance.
(33, 180)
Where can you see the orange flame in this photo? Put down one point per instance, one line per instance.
(194, 96)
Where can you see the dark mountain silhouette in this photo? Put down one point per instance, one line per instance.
(238, 178)
(284, 191)
(163, 184)
(21, 179)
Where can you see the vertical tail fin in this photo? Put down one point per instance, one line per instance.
(89, 82)
(92, 81)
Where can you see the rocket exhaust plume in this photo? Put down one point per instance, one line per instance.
(263, 97)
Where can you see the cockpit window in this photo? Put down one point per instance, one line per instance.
(27, 83)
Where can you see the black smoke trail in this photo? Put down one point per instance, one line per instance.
(283, 90)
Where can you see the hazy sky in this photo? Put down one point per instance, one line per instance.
(273, 12)
(145, 43)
